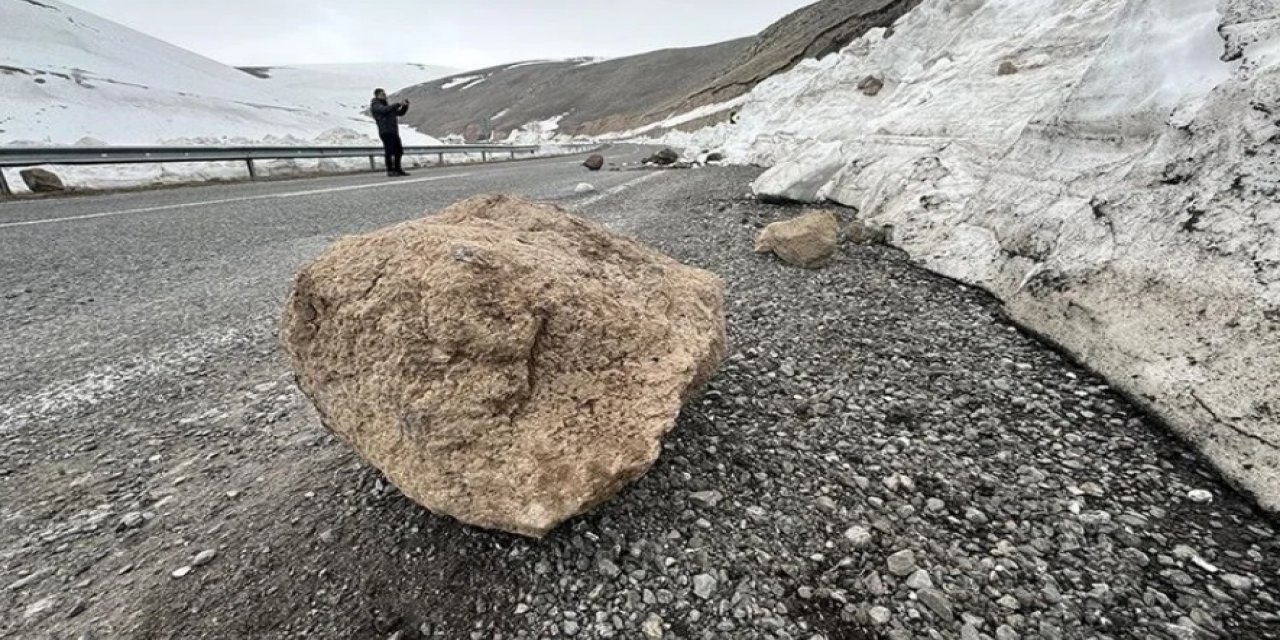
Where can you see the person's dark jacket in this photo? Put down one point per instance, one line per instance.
(387, 115)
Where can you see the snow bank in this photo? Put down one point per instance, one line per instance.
(536, 132)
(1116, 184)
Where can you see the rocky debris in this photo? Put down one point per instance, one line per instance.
(42, 180)
(181, 572)
(808, 241)
(871, 86)
(584, 187)
(594, 162)
(1007, 68)
(714, 157)
(503, 326)
(665, 157)
(859, 232)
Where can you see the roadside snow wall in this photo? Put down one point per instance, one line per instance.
(1110, 169)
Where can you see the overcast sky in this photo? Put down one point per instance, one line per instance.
(460, 33)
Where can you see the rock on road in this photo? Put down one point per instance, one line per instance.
(882, 456)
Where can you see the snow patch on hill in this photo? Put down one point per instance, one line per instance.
(1110, 169)
(66, 74)
(343, 88)
(460, 81)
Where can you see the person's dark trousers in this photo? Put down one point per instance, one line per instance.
(394, 151)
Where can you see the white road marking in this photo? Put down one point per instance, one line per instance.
(613, 191)
(206, 203)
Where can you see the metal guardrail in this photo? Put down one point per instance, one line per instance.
(34, 156)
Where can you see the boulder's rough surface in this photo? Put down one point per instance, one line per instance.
(594, 162)
(807, 241)
(41, 180)
(504, 362)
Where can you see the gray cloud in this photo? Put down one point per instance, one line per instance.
(461, 33)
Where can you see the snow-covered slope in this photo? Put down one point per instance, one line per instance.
(1110, 169)
(66, 74)
(343, 88)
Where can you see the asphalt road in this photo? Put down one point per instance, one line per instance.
(95, 289)
(881, 456)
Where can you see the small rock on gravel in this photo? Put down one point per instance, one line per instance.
(181, 572)
(652, 627)
(1238, 582)
(1009, 602)
(204, 557)
(858, 535)
(132, 520)
(39, 608)
(1200, 496)
(880, 615)
(920, 580)
(707, 499)
(937, 602)
(1006, 632)
(704, 586)
(902, 563)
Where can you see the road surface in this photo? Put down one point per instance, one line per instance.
(881, 456)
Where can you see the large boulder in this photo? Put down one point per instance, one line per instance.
(594, 162)
(42, 180)
(663, 158)
(504, 362)
(807, 241)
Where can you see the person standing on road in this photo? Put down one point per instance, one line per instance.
(387, 117)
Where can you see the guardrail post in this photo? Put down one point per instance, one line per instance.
(513, 155)
(441, 155)
(4, 186)
(373, 164)
(484, 156)
(253, 173)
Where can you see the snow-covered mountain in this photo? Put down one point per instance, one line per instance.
(1110, 169)
(67, 75)
(343, 88)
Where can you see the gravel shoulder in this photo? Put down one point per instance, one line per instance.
(882, 456)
